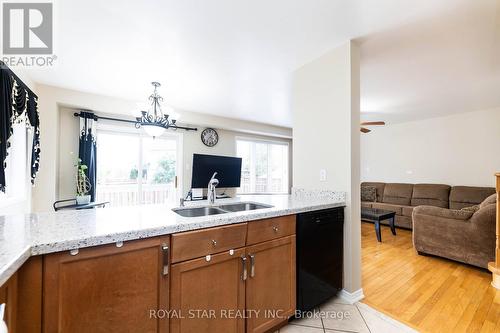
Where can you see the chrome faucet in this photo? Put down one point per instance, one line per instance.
(211, 189)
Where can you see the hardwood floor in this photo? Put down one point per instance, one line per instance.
(427, 293)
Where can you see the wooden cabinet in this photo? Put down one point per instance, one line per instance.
(270, 287)
(254, 285)
(107, 288)
(208, 293)
(8, 296)
(236, 278)
(29, 297)
(198, 243)
(264, 230)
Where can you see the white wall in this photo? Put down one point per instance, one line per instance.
(326, 136)
(58, 136)
(462, 149)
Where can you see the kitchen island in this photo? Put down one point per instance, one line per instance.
(127, 236)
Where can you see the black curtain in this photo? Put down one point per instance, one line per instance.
(87, 149)
(17, 103)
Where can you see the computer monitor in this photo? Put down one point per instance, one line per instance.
(228, 170)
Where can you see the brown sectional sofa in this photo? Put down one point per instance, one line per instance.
(403, 198)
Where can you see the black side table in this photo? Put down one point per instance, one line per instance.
(376, 215)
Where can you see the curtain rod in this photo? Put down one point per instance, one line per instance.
(78, 114)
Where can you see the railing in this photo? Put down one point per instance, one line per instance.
(261, 185)
(494, 266)
(128, 194)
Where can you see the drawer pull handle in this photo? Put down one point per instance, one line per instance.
(164, 250)
(73, 252)
(244, 264)
(252, 265)
(275, 228)
(214, 243)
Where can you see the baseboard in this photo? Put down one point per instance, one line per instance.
(352, 298)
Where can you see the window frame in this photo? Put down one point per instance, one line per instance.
(267, 141)
(132, 131)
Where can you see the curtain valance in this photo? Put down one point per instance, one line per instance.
(17, 103)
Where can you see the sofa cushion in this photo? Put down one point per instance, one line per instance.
(492, 199)
(406, 210)
(368, 193)
(466, 196)
(366, 204)
(393, 208)
(398, 194)
(431, 195)
(379, 186)
(403, 222)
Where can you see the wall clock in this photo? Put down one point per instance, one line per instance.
(209, 137)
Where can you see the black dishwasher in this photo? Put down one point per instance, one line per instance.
(320, 236)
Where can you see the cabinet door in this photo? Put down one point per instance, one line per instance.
(270, 287)
(8, 296)
(208, 294)
(107, 288)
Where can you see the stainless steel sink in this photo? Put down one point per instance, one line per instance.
(222, 209)
(243, 206)
(198, 211)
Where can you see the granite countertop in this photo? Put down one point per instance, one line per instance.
(22, 236)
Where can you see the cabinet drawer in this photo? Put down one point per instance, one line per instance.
(199, 243)
(264, 230)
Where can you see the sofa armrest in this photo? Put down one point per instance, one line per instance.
(485, 218)
(455, 234)
(442, 213)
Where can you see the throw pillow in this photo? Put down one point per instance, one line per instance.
(473, 209)
(368, 193)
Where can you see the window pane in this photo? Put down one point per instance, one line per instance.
(243, 150)
(159, 165)
(16, 161)
(118, 169)
(279, 168)
(261, 168)
(264, 167)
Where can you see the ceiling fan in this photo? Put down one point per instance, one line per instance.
(370, 123)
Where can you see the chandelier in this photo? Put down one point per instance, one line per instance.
(153, 121)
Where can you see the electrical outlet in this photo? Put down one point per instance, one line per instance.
(322, 175)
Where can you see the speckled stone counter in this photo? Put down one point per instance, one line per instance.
(22, 236)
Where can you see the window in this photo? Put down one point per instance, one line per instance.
(133, 169)
(16, 176)
(264, 167)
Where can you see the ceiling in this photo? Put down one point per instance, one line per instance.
(234, 58)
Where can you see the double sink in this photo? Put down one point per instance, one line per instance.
(221, 209)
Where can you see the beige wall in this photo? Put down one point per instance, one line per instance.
(59, 133)
(326, 137)
(191, 143)
(226, 146)
(461, 149)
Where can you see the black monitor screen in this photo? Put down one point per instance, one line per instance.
(228, 170)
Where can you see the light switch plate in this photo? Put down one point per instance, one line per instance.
(322, 175)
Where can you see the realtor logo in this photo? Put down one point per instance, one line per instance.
(27, 28)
